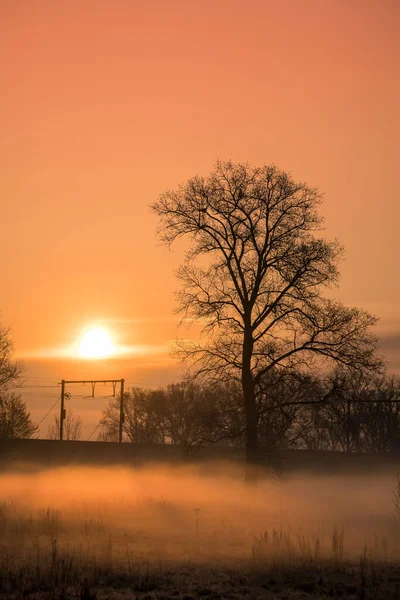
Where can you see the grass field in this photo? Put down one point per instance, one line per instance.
(184, 533)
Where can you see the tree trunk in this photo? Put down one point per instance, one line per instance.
(249, 399)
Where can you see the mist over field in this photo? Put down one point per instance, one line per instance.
(199, 513)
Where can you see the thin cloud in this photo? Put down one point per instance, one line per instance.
(390, 345)
(137, 320)
(390, 342)
(121, 351)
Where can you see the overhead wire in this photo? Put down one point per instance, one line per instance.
(48, 412)
(105, 417)
(27, 391)
(27, 387)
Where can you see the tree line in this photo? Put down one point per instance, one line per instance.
(337, 412)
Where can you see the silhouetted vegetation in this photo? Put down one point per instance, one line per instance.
(186, 413)
(15, 420)
(10, 370)
(72, 427)
(339, 411)
(255, 276)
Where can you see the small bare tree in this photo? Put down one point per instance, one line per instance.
(15, 420)
(72, 427)
(10, 370)
(255, 275)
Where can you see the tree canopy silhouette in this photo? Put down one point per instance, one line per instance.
(254, 277)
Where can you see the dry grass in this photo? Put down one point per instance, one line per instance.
(157, 534)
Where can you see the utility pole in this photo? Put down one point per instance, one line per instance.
(62, 411)
(121, 410)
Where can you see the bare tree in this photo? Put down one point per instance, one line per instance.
(72, 427)
(332, 420)
(201, 414)
(15, 420)
(185, 413)
(144, 412)
(381, 415)
(10, 370)
(255, 275)
(284, 396)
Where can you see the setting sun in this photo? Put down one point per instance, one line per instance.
(96, 343)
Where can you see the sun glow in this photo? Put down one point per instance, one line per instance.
(96, 343)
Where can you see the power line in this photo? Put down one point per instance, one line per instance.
(97, 426)
(27, 387)
(48, 412)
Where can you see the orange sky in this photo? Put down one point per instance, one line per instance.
(106, 103)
